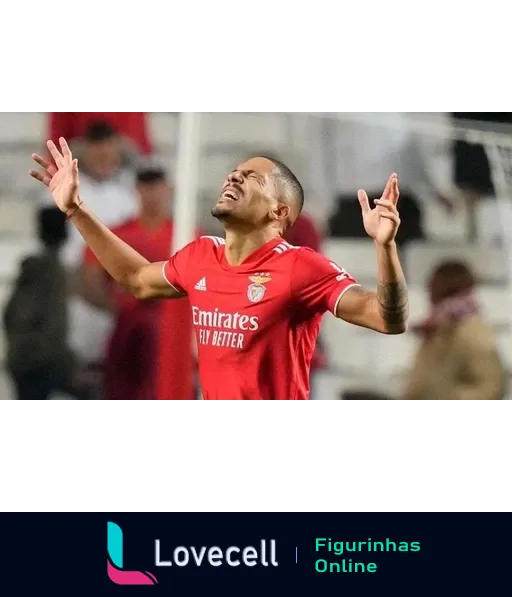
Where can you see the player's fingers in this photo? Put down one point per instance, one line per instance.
(387, 189)
(395, 193)
(66, 152)
(75, 169)
(390, 216)
(59, 160)
(44, 178)
(49, 167)
(363, 201)
(44, 163)
(389, 205)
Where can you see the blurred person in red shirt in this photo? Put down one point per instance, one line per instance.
(132, 126)
(132, 360)
(305, 233)
(107, 182)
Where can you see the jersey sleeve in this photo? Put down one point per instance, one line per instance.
(175, 270)
(318, 283)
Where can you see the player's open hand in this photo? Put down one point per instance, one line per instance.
(381, 223)
(61, 177)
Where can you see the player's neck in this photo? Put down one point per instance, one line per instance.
(240, 245)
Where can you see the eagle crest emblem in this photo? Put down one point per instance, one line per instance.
(256, 290)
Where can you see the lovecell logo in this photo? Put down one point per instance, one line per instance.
(115, 569)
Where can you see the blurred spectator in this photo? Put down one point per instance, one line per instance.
(131, 126)
(107, 186)
(458, 357)
(133, 355)
(304, 233)
(38, 357)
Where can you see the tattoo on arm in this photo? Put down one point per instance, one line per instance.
(393, 302)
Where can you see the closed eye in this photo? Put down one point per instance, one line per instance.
(244, 172)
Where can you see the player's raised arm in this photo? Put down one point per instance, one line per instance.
(138, 276)
(387, 309)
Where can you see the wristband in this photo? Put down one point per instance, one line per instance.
(71, 213)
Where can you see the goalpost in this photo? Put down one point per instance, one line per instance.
(176, 371)
(187, 179)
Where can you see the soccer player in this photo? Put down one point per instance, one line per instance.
(256, 300)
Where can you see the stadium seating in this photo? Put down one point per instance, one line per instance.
(16, 218)
(13, 250)
(421, 258)
(505, 348)
(357, 256)
(257, 129)
(488, 221)
(163, 129)
(375, 360)
(23, 128)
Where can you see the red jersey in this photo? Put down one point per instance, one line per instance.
(257, 323)
(72, 125)
(149, 355)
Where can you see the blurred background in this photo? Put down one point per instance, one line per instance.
(152, 177)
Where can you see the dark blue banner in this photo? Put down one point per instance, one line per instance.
(255, 554)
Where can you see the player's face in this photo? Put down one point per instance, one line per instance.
(155, 198)
(248, 193)
(103, 158)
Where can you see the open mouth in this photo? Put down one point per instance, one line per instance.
(229, 195)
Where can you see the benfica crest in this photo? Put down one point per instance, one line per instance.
(256, 290)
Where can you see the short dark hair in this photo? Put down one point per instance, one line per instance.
(99, 130)
(455, 277)
(290, 181)
(52, 227)
(148, 175)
